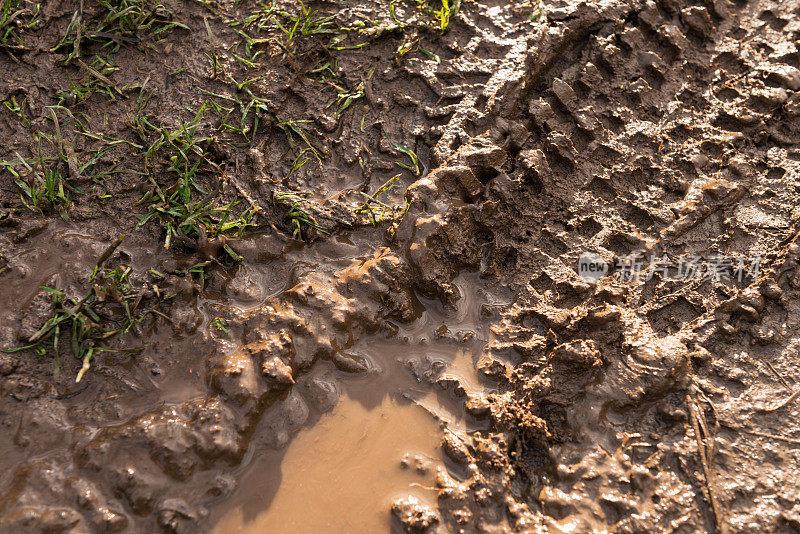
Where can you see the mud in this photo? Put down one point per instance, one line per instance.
(349, 284)
(380, 443)
(393, 448)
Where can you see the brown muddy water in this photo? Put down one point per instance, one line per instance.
(380, 441)
(340, 475)
(330, 462)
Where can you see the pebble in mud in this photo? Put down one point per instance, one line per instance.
(224, 484)
(277, 372)
(454, 447)
(477, 405)
(90, 500)
(54, 520)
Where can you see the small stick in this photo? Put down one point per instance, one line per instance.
(780, 377)
(792, 397)
(108, 252)
(373, 199)
(100, 77)
(114, 37)
(160, 315)
(86, 365)
(705, 449)
(238, 187)
(771, 436)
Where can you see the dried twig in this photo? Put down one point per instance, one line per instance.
(783, 404)
(780, 376)
(793, 441)
(705, 448)
(100, 77)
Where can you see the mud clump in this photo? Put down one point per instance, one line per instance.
(414, 516)
(333, 190)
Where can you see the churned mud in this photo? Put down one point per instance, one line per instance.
(314, 266)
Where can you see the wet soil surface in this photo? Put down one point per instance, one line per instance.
(313, 266)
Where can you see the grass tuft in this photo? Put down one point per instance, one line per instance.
(298, 213)
(107, 311)
(120, 23)
(184, 208)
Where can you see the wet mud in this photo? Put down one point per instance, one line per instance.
(346, 295)
(364, 457)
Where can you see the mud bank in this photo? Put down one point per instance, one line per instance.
(240, 363)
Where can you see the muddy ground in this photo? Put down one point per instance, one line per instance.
(300, 188)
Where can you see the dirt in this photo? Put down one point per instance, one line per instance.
(347, 298)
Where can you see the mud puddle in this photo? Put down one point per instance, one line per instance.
(341, 474)
(380, 439)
